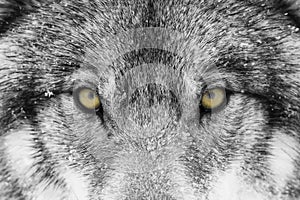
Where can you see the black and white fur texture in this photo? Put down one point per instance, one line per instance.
(150, 62)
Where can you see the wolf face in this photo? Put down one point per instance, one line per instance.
(149, 100)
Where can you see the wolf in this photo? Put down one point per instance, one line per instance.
(149, 100)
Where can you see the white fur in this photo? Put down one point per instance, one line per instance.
(230, 186)
(46, 191)
(77, 185)
(284, 150)
(17, 146)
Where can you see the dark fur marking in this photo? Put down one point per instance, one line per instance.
(141, 56)
(14, 11)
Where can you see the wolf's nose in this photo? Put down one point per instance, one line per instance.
(154, 104)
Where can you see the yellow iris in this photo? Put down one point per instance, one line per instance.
(88, 98)
(213, 98)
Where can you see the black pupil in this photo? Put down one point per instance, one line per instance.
(91, 95)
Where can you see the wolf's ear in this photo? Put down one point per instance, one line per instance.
(12, 10)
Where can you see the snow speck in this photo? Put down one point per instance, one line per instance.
(48, 93)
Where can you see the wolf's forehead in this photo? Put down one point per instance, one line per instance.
(143, 44)
(170, 53)
(211, 45)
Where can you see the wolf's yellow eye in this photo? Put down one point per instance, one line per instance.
(213, 98)
(87, 98)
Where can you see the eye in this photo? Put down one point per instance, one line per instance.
(87, 99)
(214, 99)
